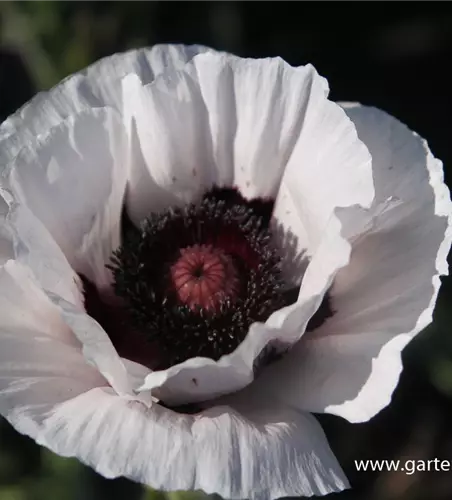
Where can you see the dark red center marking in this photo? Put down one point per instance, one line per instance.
(204, 277)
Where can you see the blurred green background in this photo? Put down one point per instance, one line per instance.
(394, 55)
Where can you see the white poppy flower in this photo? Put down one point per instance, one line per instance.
(253, 183)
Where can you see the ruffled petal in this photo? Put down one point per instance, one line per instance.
(34, 249)
(230, 121)
(50, 393)
(73, 179)
(6, 240)
(253, 453)
(386, 295)
(28, 242)
(257, 111)
(41, 363)
(97, 347)
(96, 86)
(170, 157)
(330, 167)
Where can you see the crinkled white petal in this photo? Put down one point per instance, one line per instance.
(6, 242)
(329, 167)
(28, 242)
(40, 359)
(64, 193)
(98, 85)
(221, 120)
(170, 156)
(230, 121)
(386, 295)
(257, 110)
(34, 249)
(96, 345)
(73, 178)
(49, 392)
(255, 453)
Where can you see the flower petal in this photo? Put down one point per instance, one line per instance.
(73, 179)
(35, 250)
(6, 240)
(257, 453)
(97, 347)
(351, 364)
(96, 86)
(229, 121)
(330, 167)
(40, 359)
(170, 154)
(257, 111)
(29, 243)
(49, 392)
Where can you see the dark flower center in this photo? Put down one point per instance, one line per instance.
(194, 279)
(190, 281)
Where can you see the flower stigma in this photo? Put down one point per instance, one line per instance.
(204, 277)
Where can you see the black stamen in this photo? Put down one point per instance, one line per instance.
(141, 269)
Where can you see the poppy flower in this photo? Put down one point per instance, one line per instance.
(197, 251)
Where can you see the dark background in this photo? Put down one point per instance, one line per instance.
(393, 55)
